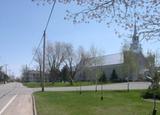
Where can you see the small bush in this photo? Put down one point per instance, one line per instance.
(149, 93)
(114, 76)
(102, 78)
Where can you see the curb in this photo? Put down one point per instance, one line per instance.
(34, 106)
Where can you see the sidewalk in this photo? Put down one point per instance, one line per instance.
(114, 86)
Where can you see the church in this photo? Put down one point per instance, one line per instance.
(115, 62)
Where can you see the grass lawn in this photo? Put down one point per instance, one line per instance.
(89, 103)
(56, 84)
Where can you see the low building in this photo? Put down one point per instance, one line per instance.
(33, 76)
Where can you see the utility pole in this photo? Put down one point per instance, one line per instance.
(40, 73)
(43, 72)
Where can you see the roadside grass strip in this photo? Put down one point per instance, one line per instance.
(90, 103)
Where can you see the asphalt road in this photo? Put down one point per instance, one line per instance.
(15, 99)
(114, 86)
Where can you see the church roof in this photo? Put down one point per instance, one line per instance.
(111, 59)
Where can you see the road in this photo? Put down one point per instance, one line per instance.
(114, 86)
(15, 99)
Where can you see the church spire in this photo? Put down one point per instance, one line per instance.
(135, 28)
(135, 45)
(135, 37)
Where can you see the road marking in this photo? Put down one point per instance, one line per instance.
(10, 101)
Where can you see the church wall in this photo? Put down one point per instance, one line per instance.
(91, 73)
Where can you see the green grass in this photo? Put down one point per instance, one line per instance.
(89, 103)
(56, 84)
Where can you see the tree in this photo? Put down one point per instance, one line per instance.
(102, 78)
(95, 63)
(153, 75)
(24, 74)
(1, 73)
(70, 62)
(150, 61)
(1, 68)
(65, 73)
(153, 70)
(130, 67)
(76, 61)
(55, 54)
(38, 58)
(151, 21)
(124, 13)
(100, 10)
(114, 76)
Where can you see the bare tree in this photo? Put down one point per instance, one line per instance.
(55, 58)
(70, 62)
(99, 10)
(24, 73)
(39, 60)
(150, 61)
(153, 70)
(1, 73)
(130, 66)
(124, 13)
(96, 62)
(75, 60)
(1, 68)
(151, 21)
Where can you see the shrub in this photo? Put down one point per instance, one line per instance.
(114, 76)
(102, 78)
(64, 73)
(149, 93)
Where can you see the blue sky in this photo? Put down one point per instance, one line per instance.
(22, 23)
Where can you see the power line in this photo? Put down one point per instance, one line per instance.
(36, 51)
(50, 15)
(49, 18)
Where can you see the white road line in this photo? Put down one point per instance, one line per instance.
(5, 107)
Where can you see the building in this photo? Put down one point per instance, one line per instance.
(115, 62)
(33, 76)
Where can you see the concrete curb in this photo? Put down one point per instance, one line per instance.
(151, 100)
(34, 106)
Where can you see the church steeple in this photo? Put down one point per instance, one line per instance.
(135, 37)
(135, 45)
